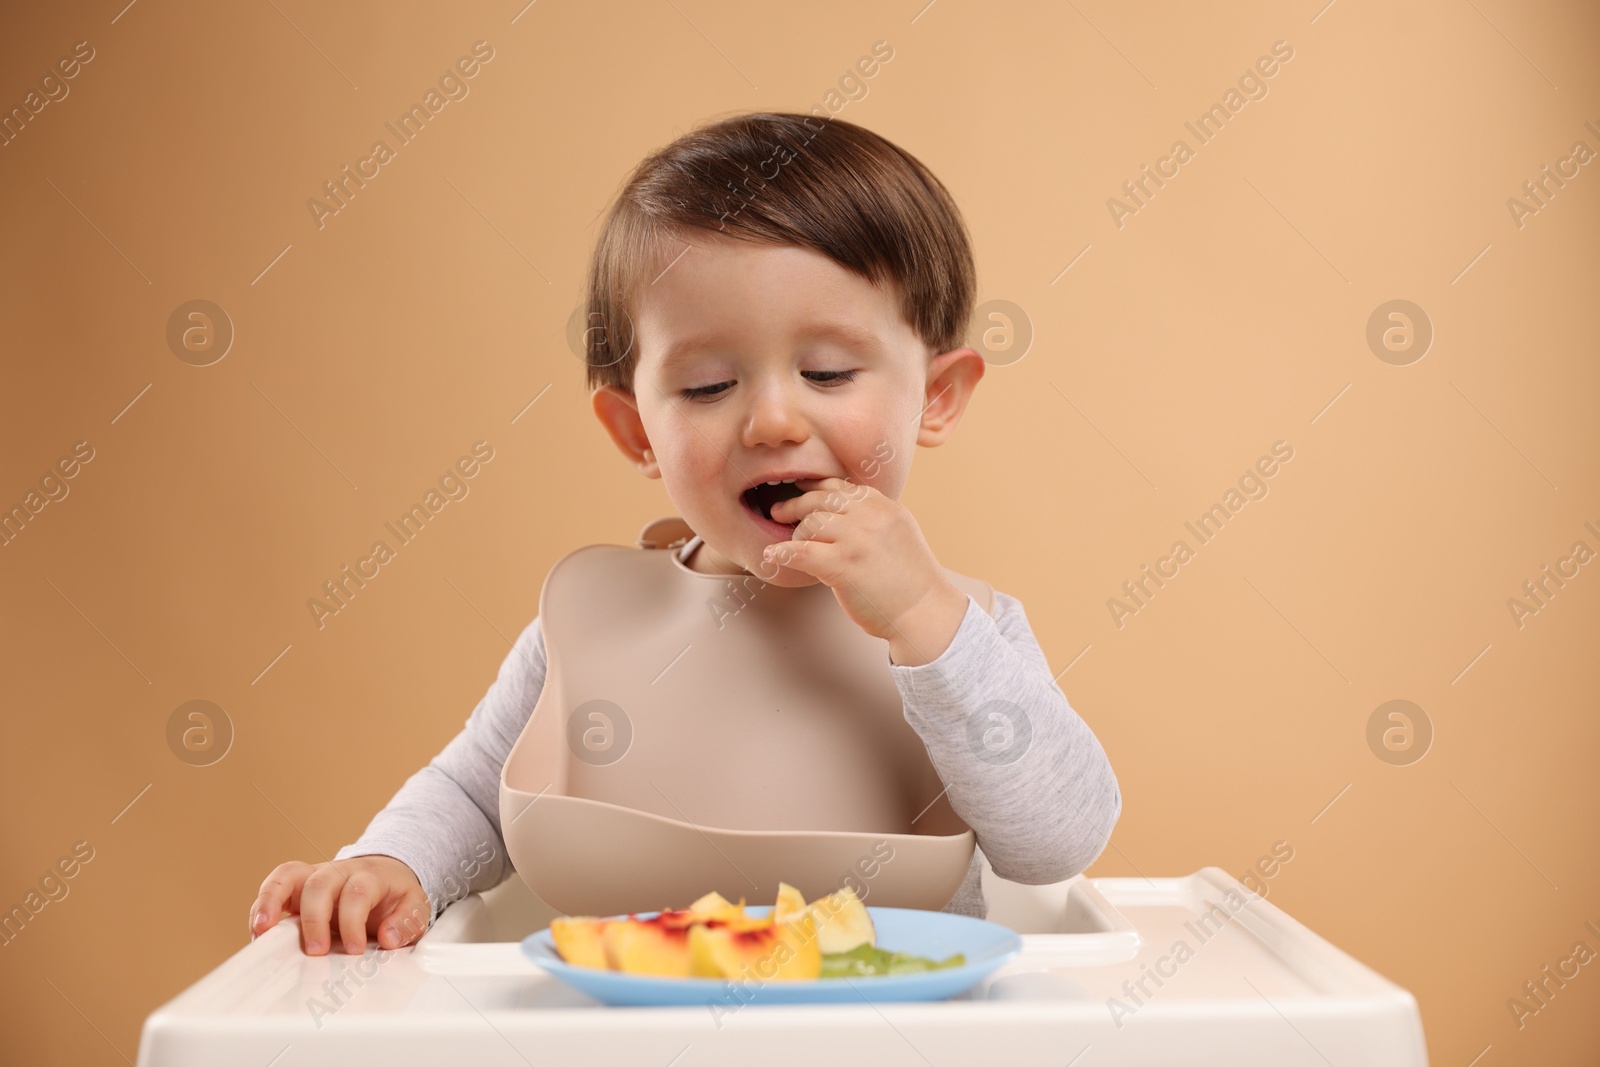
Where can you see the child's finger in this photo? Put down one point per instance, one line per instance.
(796, 508)
(837, 493)
(817, 558)
(279, 888)
(316, 908)
(356, 900)
(833, 495)
(402, 921)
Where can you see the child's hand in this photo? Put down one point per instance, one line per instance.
(870, 551)
(358, 895)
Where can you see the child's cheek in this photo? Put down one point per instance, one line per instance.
(691, 471)
(703, 465)
(882, 463)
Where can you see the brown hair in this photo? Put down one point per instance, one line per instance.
(782, 178)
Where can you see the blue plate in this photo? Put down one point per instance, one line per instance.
(934, 934)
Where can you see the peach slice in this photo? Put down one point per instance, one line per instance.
(578, 940)
(755, 948)
(658, 945)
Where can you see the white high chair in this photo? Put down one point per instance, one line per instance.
(1100, 981)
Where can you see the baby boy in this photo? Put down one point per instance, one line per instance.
(774, 298)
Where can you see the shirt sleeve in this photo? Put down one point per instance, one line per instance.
(1019, 765)
(444, 822)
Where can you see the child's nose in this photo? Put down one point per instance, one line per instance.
(776, 417)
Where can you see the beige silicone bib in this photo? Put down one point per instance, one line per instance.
(711, 731)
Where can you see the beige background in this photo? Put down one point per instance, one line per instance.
(1226, 315)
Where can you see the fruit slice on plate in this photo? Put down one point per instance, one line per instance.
(790, 903)
(715, 906)
(842, 922)
(578, 940)
(658, 945)
(756, 948)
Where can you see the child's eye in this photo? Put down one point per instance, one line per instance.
(705, 390)
(822, 377)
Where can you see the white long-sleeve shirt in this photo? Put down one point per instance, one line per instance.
(1022, 768)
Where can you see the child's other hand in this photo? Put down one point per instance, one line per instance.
(358, 896)
(870, 551)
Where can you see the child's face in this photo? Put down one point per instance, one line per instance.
(768, 329)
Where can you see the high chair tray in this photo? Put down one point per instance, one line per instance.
(1185, 970)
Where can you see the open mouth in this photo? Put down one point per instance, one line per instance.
(760, 498)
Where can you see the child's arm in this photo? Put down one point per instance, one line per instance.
(443, 826)
(1042, 812)
(444, 822)
(1022, 768)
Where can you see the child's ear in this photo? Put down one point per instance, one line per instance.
(952, 376)
(618, 412)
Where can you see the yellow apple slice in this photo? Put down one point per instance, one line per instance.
(790, 903)
(842, 922)
(715, 906)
